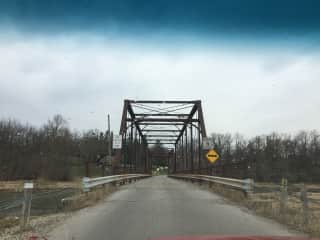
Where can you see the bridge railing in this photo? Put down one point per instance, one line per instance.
(244, 185)
(89, 183)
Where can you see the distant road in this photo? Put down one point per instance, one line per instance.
(161, 206)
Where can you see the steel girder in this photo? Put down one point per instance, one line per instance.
(172, 123)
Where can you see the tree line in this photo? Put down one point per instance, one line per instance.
(269, 157)
(51, 151)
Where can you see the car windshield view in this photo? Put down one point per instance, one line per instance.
(159, 119)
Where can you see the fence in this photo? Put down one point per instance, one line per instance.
(295, 204)
(43, 201)
(37, 201)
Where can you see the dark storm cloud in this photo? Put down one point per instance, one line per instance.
(256, 58)
(207, 16)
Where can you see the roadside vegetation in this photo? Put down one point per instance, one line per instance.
(51, 152)
(54, 152)
(269, 158)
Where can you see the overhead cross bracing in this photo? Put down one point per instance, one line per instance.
(174, 124)
(161, 120)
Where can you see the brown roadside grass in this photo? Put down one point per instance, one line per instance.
(39, 184)
(268, 205)
(7, 222)
(87, 199)
(294, 215)
(9, 226)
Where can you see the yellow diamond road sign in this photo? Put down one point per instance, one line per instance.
(212, 156)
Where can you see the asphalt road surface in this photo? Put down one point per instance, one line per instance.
(160, 207)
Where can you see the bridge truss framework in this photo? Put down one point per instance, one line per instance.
(177, 125)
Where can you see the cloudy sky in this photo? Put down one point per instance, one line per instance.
(254, 64)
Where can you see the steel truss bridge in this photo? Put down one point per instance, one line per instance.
(176, 125)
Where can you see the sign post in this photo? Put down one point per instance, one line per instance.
(209, 152)
(117, 141)
(212, 156)
(117, 146)
(207, 144)
(26, 205)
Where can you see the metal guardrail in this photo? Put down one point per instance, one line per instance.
(89, 183)
(245, 185)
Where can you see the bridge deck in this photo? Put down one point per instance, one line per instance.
(161, 206)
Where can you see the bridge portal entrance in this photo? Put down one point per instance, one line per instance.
(176, 126)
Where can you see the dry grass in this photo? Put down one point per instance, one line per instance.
(39, 184)
(45, 184)
(87, 199)
(234, 195)
(268, 205)
(8, 222)
(11, 185)
(40, 225)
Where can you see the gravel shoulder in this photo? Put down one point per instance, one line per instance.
(39, 226)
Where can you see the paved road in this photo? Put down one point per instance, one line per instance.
(161, 206)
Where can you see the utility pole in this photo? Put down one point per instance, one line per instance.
(109, 137)
(109, 152)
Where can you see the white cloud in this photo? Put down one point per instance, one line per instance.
(85, 80)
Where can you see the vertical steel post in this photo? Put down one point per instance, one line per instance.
(149, 167)
(139, 150)
(168, 160)
(145, 147)
(182, 154)
(125, 151)
(122, 153)
(186, 161)
(191, 147)
(175, 158)
(131, 148)
(135, 150)
(199, 149)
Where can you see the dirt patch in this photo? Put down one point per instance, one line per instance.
(39, 226)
